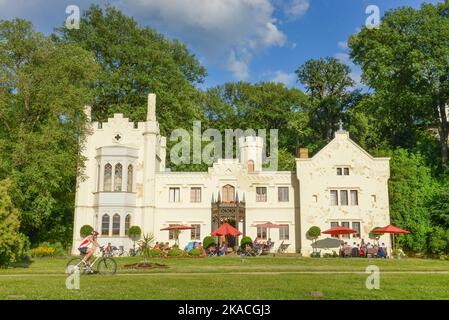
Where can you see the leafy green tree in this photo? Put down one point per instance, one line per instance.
(263, 105)
(411, 189)
(43, 89)
(327, 83)
(11, 241)
(136, 61)
(406, 61)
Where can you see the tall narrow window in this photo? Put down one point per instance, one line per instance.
(174, 195)
(195, 233)
(118, 177)
(334, 198)
(283, 194)
(130, 179)
(261, 194)
(262, 233)
(283, 232)
(333, 225)
(105, 225)
(250, 166)
(354, 198)
(116, 225)
(346, 171)
(127, 223)
(228, 193)
(195, 194)
(356, 227)
(171, 233)
(107, 180)
(345, 225)
(98, 177)
(339, 171)
(344, 197)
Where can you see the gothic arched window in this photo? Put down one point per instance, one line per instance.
(228, 193)
(105, 225)
(130, 178)
(250, 166)
(127, 223)
(107, 180)
(118, 177)
(116, 225)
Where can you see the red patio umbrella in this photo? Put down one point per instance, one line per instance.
(392, 230)
(226, 230)
(177, 227)
(338, 230)
(267, 225)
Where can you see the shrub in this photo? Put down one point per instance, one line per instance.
(134, 233)
(152, 253)
(195, 252)
(59, 250)
(208, 241)
(246, 241)
(86, 230)
(314, 232)
(42, 252)
(175, 252)
(11, 240)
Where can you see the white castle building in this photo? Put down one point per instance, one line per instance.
(126, 183)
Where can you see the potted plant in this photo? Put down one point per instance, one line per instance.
(134, 233)
(86, 230)
(313, 234)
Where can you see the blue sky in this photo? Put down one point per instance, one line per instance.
(251, 40)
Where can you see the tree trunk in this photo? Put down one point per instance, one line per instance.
(443, 131)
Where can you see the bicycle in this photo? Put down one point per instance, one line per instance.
(105, 265)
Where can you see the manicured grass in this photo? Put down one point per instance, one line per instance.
(235, 278)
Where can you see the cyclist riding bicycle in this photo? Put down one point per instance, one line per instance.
(87, 247)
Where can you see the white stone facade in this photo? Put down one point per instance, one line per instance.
(125, 183)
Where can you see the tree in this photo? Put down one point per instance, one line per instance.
(406, 61)
(11, 241)
(313, 233)
(43, 89)
(327, 82)
(136, 61)
(263, 105)
(134, 233)
(411, 187)
(86, 230)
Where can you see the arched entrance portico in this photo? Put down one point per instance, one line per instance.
(229, 210)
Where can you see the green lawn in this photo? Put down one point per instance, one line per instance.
(235, 278)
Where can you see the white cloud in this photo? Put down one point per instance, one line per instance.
(295, 9)
(343, 45)
(343, 58)
(225, 33)
(283, 77)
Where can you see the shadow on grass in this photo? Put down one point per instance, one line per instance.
(25, 263)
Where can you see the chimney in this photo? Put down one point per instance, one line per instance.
(151, 113)
(303, 153)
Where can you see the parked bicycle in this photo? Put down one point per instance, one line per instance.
(103, 264)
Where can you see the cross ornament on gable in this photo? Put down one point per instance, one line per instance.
(118, 137)
(340, 123)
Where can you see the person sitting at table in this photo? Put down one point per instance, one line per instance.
(355, 250)
(212, 250)
(166, 247)
(156, 246)
(269, 244)
(200, 247)
(255, 243)
(223, 248)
